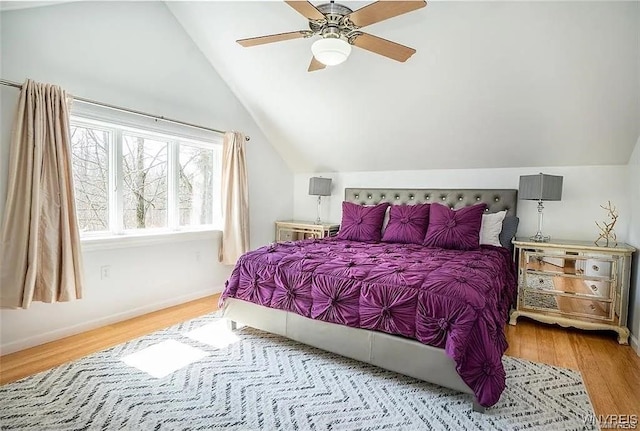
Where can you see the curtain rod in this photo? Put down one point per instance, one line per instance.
(132, 111)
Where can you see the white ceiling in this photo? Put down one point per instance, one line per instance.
(25, 4)
(493, 84)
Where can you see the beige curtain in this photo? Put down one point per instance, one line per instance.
(40, 246)
(235, 199)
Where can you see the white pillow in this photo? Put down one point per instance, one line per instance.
(385, 222)
(491, 227)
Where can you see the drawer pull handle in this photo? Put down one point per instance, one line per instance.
(593, 307)
(594, 287)
(595, 268)
(541, 280)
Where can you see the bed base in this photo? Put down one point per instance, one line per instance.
(398, 354)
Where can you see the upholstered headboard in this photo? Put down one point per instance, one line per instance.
(496, 199)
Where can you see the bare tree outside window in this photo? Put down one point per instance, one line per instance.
(90, 156)
(144, 174)
(195, 186)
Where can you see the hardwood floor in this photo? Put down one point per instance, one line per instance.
(611, 372)
(15, 366)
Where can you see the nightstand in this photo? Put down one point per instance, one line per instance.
(574, 283)
(293, 230)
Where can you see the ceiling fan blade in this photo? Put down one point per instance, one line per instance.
(381, 10)
(384, 47)
(253, 41)
(306, 9)
(315, 65)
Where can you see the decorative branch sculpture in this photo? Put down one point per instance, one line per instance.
(606, 229)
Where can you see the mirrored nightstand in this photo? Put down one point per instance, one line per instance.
(293, 230)
(574, 283)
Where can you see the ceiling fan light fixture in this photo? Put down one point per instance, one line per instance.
(331, 51)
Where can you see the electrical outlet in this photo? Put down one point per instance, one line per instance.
(105, 272)
(198, 256)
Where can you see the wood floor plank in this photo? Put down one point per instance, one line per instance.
(611, 372)
(528, 348)
(564, 351)
(511, 333)
(545, 346)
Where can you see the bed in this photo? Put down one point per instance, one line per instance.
(427, 312)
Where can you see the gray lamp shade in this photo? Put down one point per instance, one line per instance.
(319, 186)
(540, 187)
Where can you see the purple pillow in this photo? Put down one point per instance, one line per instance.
(407, 224)
(362, 223)
(458, 230)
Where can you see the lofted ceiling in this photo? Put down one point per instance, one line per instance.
(493, 84)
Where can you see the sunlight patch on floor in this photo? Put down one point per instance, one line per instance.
(164, 358)
(216, 334)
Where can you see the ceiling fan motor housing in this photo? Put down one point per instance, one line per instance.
(336, 23)
(334, 9)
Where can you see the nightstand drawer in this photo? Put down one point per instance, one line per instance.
(590, 288)
(599, 288)
(599, 268)
(286, 235)
(567, 305)
(575, 264)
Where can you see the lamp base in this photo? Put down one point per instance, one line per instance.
(540, 238)
(318, 221)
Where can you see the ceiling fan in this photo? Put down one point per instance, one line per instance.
(339, 28)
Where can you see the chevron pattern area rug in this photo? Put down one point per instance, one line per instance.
(199, 376)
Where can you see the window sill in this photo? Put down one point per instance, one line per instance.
(142, 240)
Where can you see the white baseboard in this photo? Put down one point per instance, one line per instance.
(634, 344)
(57, 334)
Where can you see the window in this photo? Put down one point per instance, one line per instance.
(130, 180)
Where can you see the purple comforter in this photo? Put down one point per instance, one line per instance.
(455, 300)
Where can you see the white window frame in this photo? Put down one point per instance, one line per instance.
(117, 236)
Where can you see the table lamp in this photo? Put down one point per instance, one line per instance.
(319, 186)
(541, 187)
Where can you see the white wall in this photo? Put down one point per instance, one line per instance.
(585, 188)
(634, 239)
(136, 55)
